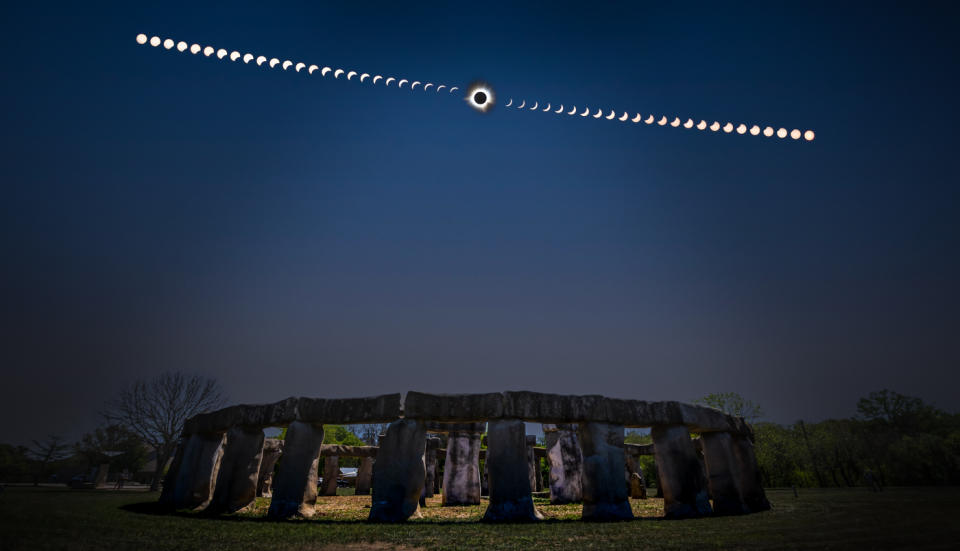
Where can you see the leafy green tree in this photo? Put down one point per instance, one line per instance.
(369, 433)
(732, 403)
(780, 455)
(897, 411)
(339, 434)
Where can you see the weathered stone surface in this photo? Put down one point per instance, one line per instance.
(472, 408)
(198, 470)
(720, 464)
(636, 484)
(681, 476)
(566, 464)
(340, 450)
(100, 478)
(638, 488)
(170, 480)
(604, 491)
(295, 492)
(344, 411)
(461, 472)
(510, 498)
(430, 462)
(553, 408)
(438, 427)
(364, 476)
(453, 407)
(399, 472)
(747, 475)
(331, 472)
(272, 448)
(249, 415)
(533, 465)
(562, 409)
(236, 486)
(557, 427)
(484, 477)
(539, 471)
(636, 450)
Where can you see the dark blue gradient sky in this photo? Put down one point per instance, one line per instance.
(294, 235)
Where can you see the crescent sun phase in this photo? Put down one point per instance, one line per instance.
(480, 95)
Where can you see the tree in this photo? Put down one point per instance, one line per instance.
(114, 444)
(14, 463)
(732, 403)
(156, 410)
(341, 435)
(369, 433)
(46, 452)
(903, 413)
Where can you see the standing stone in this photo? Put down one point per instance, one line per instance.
(331, 472)
(399, 472)
(461, 472)
(510, 498)
(538, 472)
(532, 463)
(198, 470)
(566, 461)
(681, 476)
(295, 492)
(239, 469)
(272, 448)
(604, 491)
(430, 460)
(636, 485)
(747, 474)
(170, 480)
(100, 478)
(364, 476)
(638, 489)
(721, 465)
(485, 479)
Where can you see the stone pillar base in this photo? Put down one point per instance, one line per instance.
(510, 498)
(239, 470)
(566, 464)
(681, 476)
(604, 489)
(399, 473)
(295, 492)
(518, 510)
(364, 476)
(461, 471)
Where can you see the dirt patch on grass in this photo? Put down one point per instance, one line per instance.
(373, 546)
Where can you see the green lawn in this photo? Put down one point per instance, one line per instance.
(48, 518)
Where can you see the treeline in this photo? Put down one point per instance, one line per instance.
(54, 460)
(894, 439)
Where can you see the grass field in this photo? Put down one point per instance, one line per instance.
(907, 518)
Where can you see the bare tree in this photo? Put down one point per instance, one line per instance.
(157, 409)
(46, 452)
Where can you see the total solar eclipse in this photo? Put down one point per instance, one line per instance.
(480, 96)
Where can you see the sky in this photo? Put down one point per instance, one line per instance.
(290, 234)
